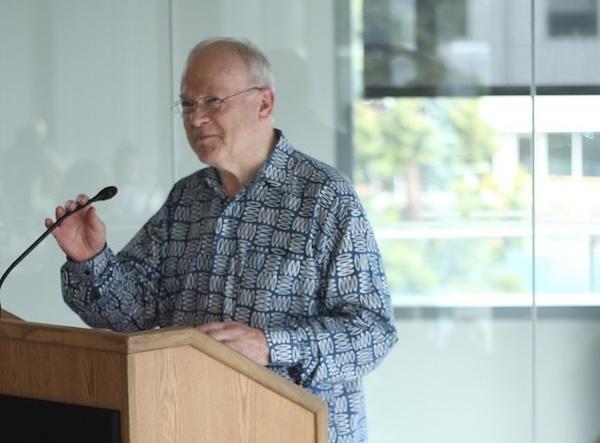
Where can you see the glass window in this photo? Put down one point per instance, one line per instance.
(419, 45)
(559, 154)
(450, 20)
(572, 18)
(591, 154)
(451, 141)
(432, 175)
(525, 152)
(459, 47)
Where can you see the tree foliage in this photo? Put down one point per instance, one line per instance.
(430, 161)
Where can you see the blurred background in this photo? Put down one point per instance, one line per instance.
(469, 127)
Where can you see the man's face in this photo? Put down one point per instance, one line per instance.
(220, 137)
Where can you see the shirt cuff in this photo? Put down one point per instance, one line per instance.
(88, 270)
(284, 347)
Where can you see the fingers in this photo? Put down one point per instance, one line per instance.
(226, 331)
(248, 341)
(69, 206)
(212, 326)
(223, 331)
(82, 236)
(81, 200)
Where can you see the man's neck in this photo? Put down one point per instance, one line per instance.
(234, 179)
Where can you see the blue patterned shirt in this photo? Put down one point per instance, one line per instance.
(292, 254)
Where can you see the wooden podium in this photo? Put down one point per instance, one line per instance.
(168, 385)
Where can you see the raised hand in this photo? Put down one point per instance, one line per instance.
(82, 235)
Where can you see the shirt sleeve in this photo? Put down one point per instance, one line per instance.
(119, 292)
(354, 327)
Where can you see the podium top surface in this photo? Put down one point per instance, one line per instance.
(102, 339)
(155, 340)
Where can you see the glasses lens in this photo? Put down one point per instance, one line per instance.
(177, 109)
(209, 103)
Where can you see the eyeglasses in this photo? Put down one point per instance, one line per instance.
(210, 103)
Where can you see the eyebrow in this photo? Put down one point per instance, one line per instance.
(189, 97)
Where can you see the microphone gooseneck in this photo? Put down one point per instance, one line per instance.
(104, 194)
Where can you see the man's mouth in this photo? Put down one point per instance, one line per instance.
(203, 137)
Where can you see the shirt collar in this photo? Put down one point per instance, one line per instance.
(274, 171)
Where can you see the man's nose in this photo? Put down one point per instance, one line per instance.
(199, 115)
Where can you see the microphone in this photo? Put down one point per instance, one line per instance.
(104, 194)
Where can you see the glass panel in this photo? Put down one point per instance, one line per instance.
(525, 152)
(298, 37)
(559, 154)
(447, 182)
(567, 218)
(567, 200)
(572, 18)
(566, 45)
(443, 184)
(566, 269)
(450, 47)
(436, 47)
(88, 106)
(84, 105)
(442, 180)
(591, 154)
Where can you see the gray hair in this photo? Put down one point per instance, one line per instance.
(254, 59)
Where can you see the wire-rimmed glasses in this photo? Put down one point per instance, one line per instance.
(210, 103)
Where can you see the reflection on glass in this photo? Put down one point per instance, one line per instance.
(572, 18)
(559, 154)
(456, 47)
(447, 192)
(84, 105)
(447, 183)
(525, 152)
(478, 210)
(591, 154)
(435, 47)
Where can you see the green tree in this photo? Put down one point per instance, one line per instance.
(395, 139)
(409, 148)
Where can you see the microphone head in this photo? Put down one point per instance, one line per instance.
(105, 194)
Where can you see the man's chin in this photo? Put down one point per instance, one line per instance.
(206, 153)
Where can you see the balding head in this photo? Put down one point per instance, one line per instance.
(259, 67)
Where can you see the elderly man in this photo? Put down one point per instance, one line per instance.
(266, 250)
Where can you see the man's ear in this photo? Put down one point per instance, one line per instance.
(267, 103)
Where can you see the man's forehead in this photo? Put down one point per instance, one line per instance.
(219, 56)
(209, 70)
